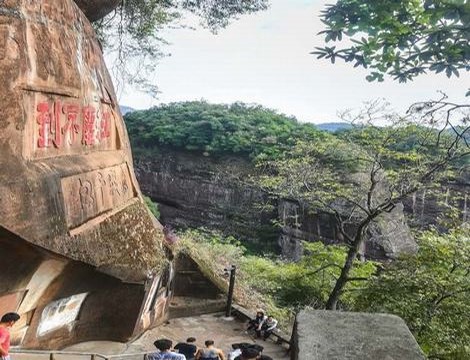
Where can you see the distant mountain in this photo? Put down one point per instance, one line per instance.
(333, 126)
(126, 109)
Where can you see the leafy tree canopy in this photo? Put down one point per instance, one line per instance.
(370, 170)
(248, 130)
(430, 291)
(402, 38)
(309, 281)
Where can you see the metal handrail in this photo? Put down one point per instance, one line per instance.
(93, 356)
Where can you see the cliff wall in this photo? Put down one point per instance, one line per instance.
(198, 191)
(425, 207)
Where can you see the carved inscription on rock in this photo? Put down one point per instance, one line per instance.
(91, 194)
(67, 126)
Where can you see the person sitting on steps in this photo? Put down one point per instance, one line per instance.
(268, 327)
(257, 322)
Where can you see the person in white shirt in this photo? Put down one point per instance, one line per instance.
(236, 351)
(268, 327)
(165, 353)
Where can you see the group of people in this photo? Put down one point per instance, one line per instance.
(189, 351)
(262, 325)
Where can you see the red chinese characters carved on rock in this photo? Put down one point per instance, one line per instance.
(60, 124)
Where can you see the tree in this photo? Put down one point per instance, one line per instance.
(430, 291)
(307, 282)
(365, 174)
(131, 33)
(402, 38)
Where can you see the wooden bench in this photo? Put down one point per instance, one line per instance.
(245, 314)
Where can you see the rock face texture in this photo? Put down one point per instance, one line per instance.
(66, 166)
(67, 187)
(193, 191)
(325, 335)
(425, 207)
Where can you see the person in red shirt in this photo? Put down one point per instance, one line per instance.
(7, 321)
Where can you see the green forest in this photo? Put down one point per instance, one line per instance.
(429, 289)
(247, 130)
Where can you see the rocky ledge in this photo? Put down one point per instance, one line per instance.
(97, 9)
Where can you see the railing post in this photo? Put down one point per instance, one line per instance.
(228, 309)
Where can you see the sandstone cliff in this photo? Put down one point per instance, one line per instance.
(198, 191)
(75, 234)
(66, 165)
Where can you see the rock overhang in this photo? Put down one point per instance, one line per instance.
(67, 182)
(97, 9)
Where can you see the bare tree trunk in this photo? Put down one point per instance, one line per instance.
(352, 255)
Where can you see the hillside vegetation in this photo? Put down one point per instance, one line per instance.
(428, 289)
(247, 130)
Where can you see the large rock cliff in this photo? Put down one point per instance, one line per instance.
(75, 234)
(66, 165)
(198, 191)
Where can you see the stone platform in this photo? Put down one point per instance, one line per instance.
(207, 327)
(204, 327)
(336, 335)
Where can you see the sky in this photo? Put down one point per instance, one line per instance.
(264, 58)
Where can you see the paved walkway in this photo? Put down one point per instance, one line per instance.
(204, 327)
